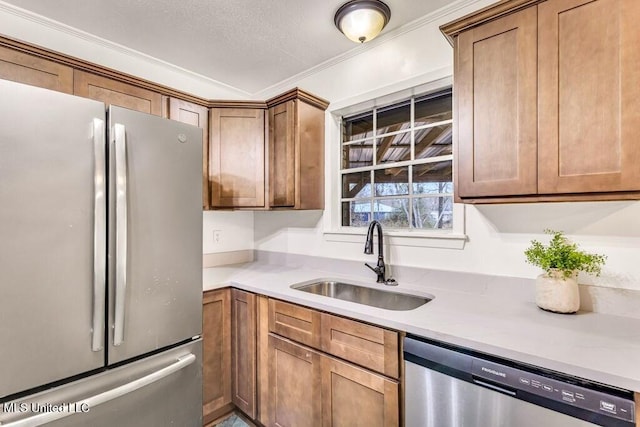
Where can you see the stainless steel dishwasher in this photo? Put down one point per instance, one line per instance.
(447, 386)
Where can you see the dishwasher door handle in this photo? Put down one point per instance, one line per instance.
(494, 387)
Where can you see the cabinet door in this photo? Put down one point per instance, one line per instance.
(309, 131)
(236, 157)
(263, 360)
(496, 107)
(216, 363)
(589, 99)
(295, 385)
(28, 69)
(113, 92)
(353, 397)
(197, 115)
(282, 154)
(243, 354)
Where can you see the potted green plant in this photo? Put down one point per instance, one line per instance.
(557, 288)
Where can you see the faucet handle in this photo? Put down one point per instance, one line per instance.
(374, 269)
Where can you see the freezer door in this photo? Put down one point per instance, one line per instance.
(161, 390)
(155, 255)
(52, 236)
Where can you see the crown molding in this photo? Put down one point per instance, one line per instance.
(483, 15)
(297, 93)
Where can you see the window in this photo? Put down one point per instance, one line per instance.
(396, 165)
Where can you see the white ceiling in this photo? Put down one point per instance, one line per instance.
(247, 44)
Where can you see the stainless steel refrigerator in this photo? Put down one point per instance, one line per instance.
(100, 264)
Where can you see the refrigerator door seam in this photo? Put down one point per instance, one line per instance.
(99, 235)
(120, 144)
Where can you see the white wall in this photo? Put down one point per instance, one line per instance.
(497, 235)
(234, 229)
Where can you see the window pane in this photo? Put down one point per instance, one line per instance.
(392, 213)
(358, 127)
(394, 148)
(433, 142)
(394, 118)
(392, 181)
(431, 109)
(356, 185)
(357, 155)
(433, 212)
(356, 214)
(432, 178)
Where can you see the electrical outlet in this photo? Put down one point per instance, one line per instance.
(216, 236)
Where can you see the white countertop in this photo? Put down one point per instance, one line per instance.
(597, 347)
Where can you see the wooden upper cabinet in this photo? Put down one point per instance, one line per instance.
(236, 157)
(35, 71)
(589, 97)
(196, 115)
(282, 151)
(496, 100)
(115, 92)
(547, 101)
(296, 151)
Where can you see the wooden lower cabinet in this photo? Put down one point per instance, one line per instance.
(243, 351)
(294, 384)
(366, 345)
(252, 366)
(300, 324)
(216, 358)
(309, 388)
(352, 396)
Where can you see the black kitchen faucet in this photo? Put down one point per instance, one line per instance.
(380, 268)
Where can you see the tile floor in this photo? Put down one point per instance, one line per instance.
(232, 421)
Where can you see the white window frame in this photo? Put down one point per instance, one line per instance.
(453, 238)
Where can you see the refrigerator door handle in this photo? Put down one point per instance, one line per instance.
(99, 235)
(121, 231)
(98, 399)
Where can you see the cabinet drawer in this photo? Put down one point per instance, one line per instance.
(298, 323)
(366, 345)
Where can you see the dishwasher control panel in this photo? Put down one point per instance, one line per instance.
(516, 379)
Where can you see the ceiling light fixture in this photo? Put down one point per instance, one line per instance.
(362, 20)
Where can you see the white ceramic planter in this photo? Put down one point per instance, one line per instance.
(556, 293)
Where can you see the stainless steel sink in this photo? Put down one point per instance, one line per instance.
(362, 295)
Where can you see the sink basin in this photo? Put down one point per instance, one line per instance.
(362, 295)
